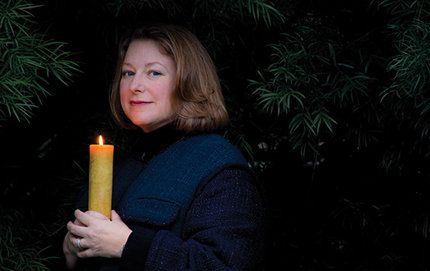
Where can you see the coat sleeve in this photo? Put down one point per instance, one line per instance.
(223, 230)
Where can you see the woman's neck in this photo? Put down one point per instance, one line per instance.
(156, 141)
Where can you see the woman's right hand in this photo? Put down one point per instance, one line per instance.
(70, 248)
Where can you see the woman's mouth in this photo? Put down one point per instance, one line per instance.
(138, 102)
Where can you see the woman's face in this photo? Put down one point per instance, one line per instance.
(147, 85)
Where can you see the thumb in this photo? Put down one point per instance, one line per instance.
(115, 216)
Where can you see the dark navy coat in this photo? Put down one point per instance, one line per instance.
(220, 226)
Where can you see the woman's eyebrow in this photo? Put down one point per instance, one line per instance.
(146, 65)
(127, 64)
(154, 63)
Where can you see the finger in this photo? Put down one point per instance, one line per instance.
(74, 243)
(69, 224)
(115, 216)
(80, 231)
(85, 253)
(96, 215)
(83, 217)
(77, 222)
(70, 242)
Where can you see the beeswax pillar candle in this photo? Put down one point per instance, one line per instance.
(100, 178)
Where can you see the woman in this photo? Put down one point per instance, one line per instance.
(186, 199)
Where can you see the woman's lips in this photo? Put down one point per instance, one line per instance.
(138, 102)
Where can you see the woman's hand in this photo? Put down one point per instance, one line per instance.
(98, 236)
(70, 249)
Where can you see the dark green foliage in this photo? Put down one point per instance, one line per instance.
(347, 98)
(299, 88)
(333, 88)
(29, 61)
(22, 247)
(30, 64)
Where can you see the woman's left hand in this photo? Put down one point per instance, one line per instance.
(99, 236)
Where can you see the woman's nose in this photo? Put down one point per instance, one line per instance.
(137, 84)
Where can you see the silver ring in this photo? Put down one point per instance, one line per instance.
(78, 243)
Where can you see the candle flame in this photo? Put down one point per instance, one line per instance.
(100, 140)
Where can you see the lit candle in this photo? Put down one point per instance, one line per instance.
(100, 179)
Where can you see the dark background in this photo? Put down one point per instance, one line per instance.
(352, 195)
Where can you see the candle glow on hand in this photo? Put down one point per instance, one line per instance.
(100, 178)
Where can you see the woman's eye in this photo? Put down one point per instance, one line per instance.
(154, 73)
(127, 73)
